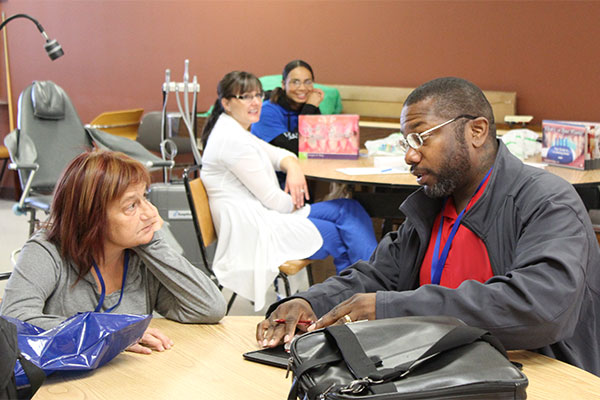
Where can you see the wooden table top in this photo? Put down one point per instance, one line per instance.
(206, 362)
(326, 169)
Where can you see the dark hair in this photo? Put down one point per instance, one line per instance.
(455, 96)
(79, 211)
(278, 91)
(232, 84)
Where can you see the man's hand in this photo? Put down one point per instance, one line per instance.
(153, 339)
(359, 307)
(293, 314)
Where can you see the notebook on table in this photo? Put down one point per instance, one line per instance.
(276, 356)
(328, 136)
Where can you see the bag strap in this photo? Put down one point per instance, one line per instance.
(364, 368)
(318, 388)
(306, 366)
(459, 336)
(359, 364)
(35, 375)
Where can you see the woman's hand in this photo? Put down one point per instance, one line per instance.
(154, 216)
(153, 339)
(315, 97)
(295, 183)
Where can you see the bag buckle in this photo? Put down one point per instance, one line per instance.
(323, 396)
(289, 367)
(358, 385)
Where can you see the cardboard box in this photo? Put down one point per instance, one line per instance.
(571, 144)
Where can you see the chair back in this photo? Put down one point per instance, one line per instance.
(121, 123)
(198, 200)
(205, 222)
(3, 156)
(207, 235)
(49, 133)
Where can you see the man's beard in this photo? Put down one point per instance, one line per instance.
(451, 173)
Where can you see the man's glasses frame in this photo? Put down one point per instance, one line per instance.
(415, 140)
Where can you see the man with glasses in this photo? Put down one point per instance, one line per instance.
(503, 246)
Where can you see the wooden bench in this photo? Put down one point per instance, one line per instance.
(379, 107)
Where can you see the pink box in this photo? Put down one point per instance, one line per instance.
(328, 136)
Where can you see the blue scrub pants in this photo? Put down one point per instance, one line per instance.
(346, 229)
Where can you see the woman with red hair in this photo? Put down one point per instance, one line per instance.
(102, 249)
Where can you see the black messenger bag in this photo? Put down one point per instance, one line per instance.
(432, 357)
(9, 354)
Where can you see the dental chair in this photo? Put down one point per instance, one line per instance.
(49, 135)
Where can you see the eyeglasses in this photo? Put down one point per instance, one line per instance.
(248, 97)
(415, 140)
(296, 83)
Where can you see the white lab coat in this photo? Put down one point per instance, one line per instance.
(256, 226)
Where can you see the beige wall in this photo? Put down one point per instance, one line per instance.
(116, 51)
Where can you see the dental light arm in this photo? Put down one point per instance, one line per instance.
(52, 47)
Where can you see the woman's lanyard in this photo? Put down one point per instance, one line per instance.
(103, 287)
(438, 262)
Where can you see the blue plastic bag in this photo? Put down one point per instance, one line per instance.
(83, 342)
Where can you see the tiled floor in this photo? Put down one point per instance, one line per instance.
(14, 232)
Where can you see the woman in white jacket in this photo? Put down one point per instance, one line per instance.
(259, 225)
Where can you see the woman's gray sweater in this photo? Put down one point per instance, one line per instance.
(43, 289)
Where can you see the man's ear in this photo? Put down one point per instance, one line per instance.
(480, 129)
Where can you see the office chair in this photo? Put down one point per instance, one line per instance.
(123, 123)
(206, 234)
(49, 135)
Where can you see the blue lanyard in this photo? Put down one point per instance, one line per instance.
(103, 287)
(438, 262)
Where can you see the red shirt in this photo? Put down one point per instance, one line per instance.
(468, 257)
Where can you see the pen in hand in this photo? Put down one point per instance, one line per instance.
(302, 321)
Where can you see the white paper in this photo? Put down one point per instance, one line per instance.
(537, 165)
